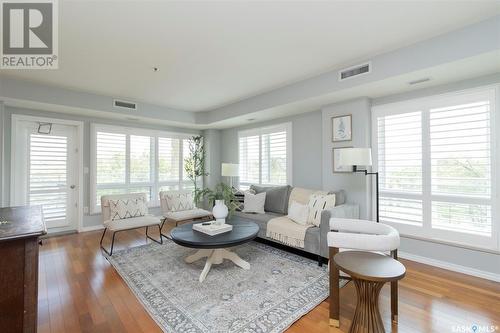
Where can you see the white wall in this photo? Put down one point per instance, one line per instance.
(357, 186)
(213, 142)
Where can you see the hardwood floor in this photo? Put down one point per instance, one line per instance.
(81, 292)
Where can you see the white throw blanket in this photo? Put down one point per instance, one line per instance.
(287, 232)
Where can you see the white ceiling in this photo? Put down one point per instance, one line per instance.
(215, 53)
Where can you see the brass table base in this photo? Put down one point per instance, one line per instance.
(367, 317)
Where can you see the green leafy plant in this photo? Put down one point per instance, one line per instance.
(194, 164)
(224, 192)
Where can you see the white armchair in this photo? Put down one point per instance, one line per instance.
(359, 235)
(123, 212)
(178, 206)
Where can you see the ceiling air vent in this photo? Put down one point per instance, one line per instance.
(117, 103)
(354, 71)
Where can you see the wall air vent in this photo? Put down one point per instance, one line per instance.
(353, 71)
(117, 103)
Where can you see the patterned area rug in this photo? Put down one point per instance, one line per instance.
(279, 288)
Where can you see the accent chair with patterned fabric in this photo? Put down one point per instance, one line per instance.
(178, 206)
(122, 212)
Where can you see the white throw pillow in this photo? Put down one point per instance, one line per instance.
(318, 203)
(254, 203)
(177, 202)
(298, 213)
(126, 208)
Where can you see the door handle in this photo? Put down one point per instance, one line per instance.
(72, 187)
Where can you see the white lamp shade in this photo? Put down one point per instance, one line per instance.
(230, 170)
(355, 156)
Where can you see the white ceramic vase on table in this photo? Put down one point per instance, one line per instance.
(220, 211)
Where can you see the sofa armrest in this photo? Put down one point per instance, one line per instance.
(344, 211)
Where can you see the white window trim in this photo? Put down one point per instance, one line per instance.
(426, 232)
(155, 184)
(266, 130)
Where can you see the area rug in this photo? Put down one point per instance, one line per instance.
(279, 288)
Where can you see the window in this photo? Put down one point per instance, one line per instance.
(436, 161)
(265, 156)
(130, 160)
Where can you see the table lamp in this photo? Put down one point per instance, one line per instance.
(230, 170)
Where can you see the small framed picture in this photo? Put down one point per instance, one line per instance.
(335, 157)
(342, 128)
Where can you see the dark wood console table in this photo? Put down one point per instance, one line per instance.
(20, 228)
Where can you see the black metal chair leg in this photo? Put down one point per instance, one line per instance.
(154, 240)
(110, 253)
(161, 228)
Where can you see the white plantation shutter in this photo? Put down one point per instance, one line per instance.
(274, 148)
(264, 156)
(399, 153)
(111, 157)
(140, 159)
(47, 171)
(460, 150)
(185, 154)
(249, 147)
(130, 160)
(169, 157)
(436, 165)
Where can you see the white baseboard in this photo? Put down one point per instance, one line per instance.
(92, 228)
(451, 267)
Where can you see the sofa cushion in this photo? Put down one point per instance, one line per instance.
(302, 195)
(276, 198)
(298, 213)
(258, 217)
(318, 203)
(254, 203)
(339, 197)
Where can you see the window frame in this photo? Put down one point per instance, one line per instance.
(426, 231)
(260, 131)
(155, 184)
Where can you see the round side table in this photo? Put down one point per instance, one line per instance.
(369, 272)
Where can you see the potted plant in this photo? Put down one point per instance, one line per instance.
(194, 165)
(223, 200)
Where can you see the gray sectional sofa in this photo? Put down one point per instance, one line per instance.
(278, 199)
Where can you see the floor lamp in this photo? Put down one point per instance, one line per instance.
(230, 170)
(360, 157)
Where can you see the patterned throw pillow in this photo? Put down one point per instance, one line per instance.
(126, 208)
(318, 203)
(240, 198)
(180, 201)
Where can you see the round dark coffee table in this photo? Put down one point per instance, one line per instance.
(214, 248)
(369, 271)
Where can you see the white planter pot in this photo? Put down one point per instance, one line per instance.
(220, 210)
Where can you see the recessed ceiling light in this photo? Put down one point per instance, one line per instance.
(156, 69)
(425, 79)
